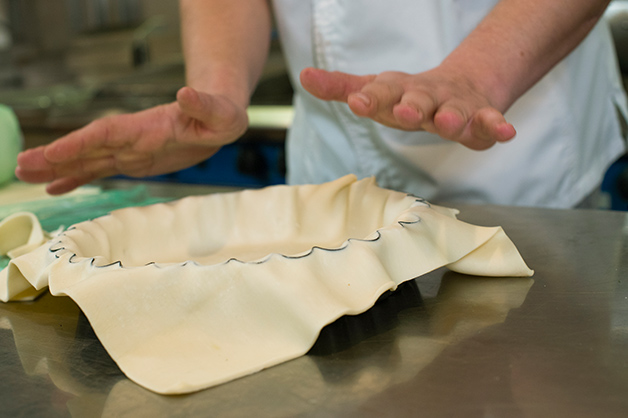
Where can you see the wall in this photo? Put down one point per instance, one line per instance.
(55, 35)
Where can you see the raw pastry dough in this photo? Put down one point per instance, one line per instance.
(20, 234)
(193, 293)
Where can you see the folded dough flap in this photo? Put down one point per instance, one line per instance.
(462, 247)
(26, 276)
(24, 240)
(497, 257)
(20, 230)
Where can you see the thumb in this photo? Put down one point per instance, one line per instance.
(214, 111)
(327, 85)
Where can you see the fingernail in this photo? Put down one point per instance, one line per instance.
(366, 100)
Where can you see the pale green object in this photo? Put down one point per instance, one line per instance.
(10, 144)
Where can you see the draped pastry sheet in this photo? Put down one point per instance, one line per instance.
(197, 292)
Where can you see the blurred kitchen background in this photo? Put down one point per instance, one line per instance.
(64, 63)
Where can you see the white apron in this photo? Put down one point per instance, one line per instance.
(567, 127)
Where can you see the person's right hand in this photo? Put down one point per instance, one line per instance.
(156, 141)
(441, 101)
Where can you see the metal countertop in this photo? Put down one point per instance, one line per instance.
(442, 345)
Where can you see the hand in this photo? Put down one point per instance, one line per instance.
(445, 104)
(159, 140)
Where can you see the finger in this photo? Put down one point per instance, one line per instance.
(490, 123)
(66, 148)
(217, 113)
(377, 101)
(68, 183)
(64, 185)
(32, 166)
(96, 168)
(96, 139)
(34, 176)
(415, 111)
(450, 122)
(337, 86)
(32, 159)
(505, 132)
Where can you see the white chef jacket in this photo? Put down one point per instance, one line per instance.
(568, 131)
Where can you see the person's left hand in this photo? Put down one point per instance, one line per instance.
(447, 104)
(159, 140)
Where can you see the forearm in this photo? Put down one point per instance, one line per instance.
(225, 43)
(519, 42)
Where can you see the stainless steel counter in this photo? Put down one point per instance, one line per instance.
(442, 345)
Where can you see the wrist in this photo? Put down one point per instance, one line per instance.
(222, 82)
